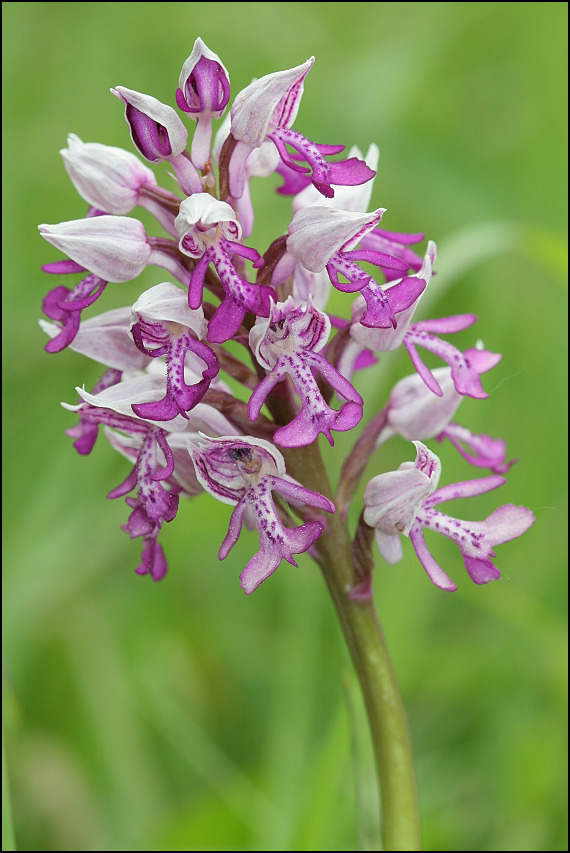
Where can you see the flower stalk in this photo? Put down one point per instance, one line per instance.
(364, 637)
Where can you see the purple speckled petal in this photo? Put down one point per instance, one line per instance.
(286, 344)
(245, 472)
(335, 379)
(474, 538)
(356, 278)
(506, 523)
(180, 397)
(465, 377)
(379, 259)
(352, 172)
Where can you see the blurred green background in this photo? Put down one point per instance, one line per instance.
(185, 715)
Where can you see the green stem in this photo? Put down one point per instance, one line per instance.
(8, 840)
(371, 659)
(384, 707)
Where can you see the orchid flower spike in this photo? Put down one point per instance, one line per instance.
(163, 401)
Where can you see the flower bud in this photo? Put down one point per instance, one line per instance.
(204, 84)
(113, 247)
(156, 130)
(108, 178)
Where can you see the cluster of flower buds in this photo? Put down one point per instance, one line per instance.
(170, 399)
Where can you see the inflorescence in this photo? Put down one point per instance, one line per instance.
(163, 402)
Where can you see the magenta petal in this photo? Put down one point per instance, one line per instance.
(168, 469)
(480, 570)
(466, 489)
(62, 267)
(79, 304)
(153, 560)
(433, 569)
(294, 182)
(379, 259)
(350, 173)
(139, 524)
(162, 410)
(234, 529)
(196, 288)
(329, 149)
(481, 360)
(446, 325)
(259, 568)
(348, 416)
(226, 321)
(423, 370)
(296, 492)
(67, 334)
(382, 304)
(125, 487)
(260, 393)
